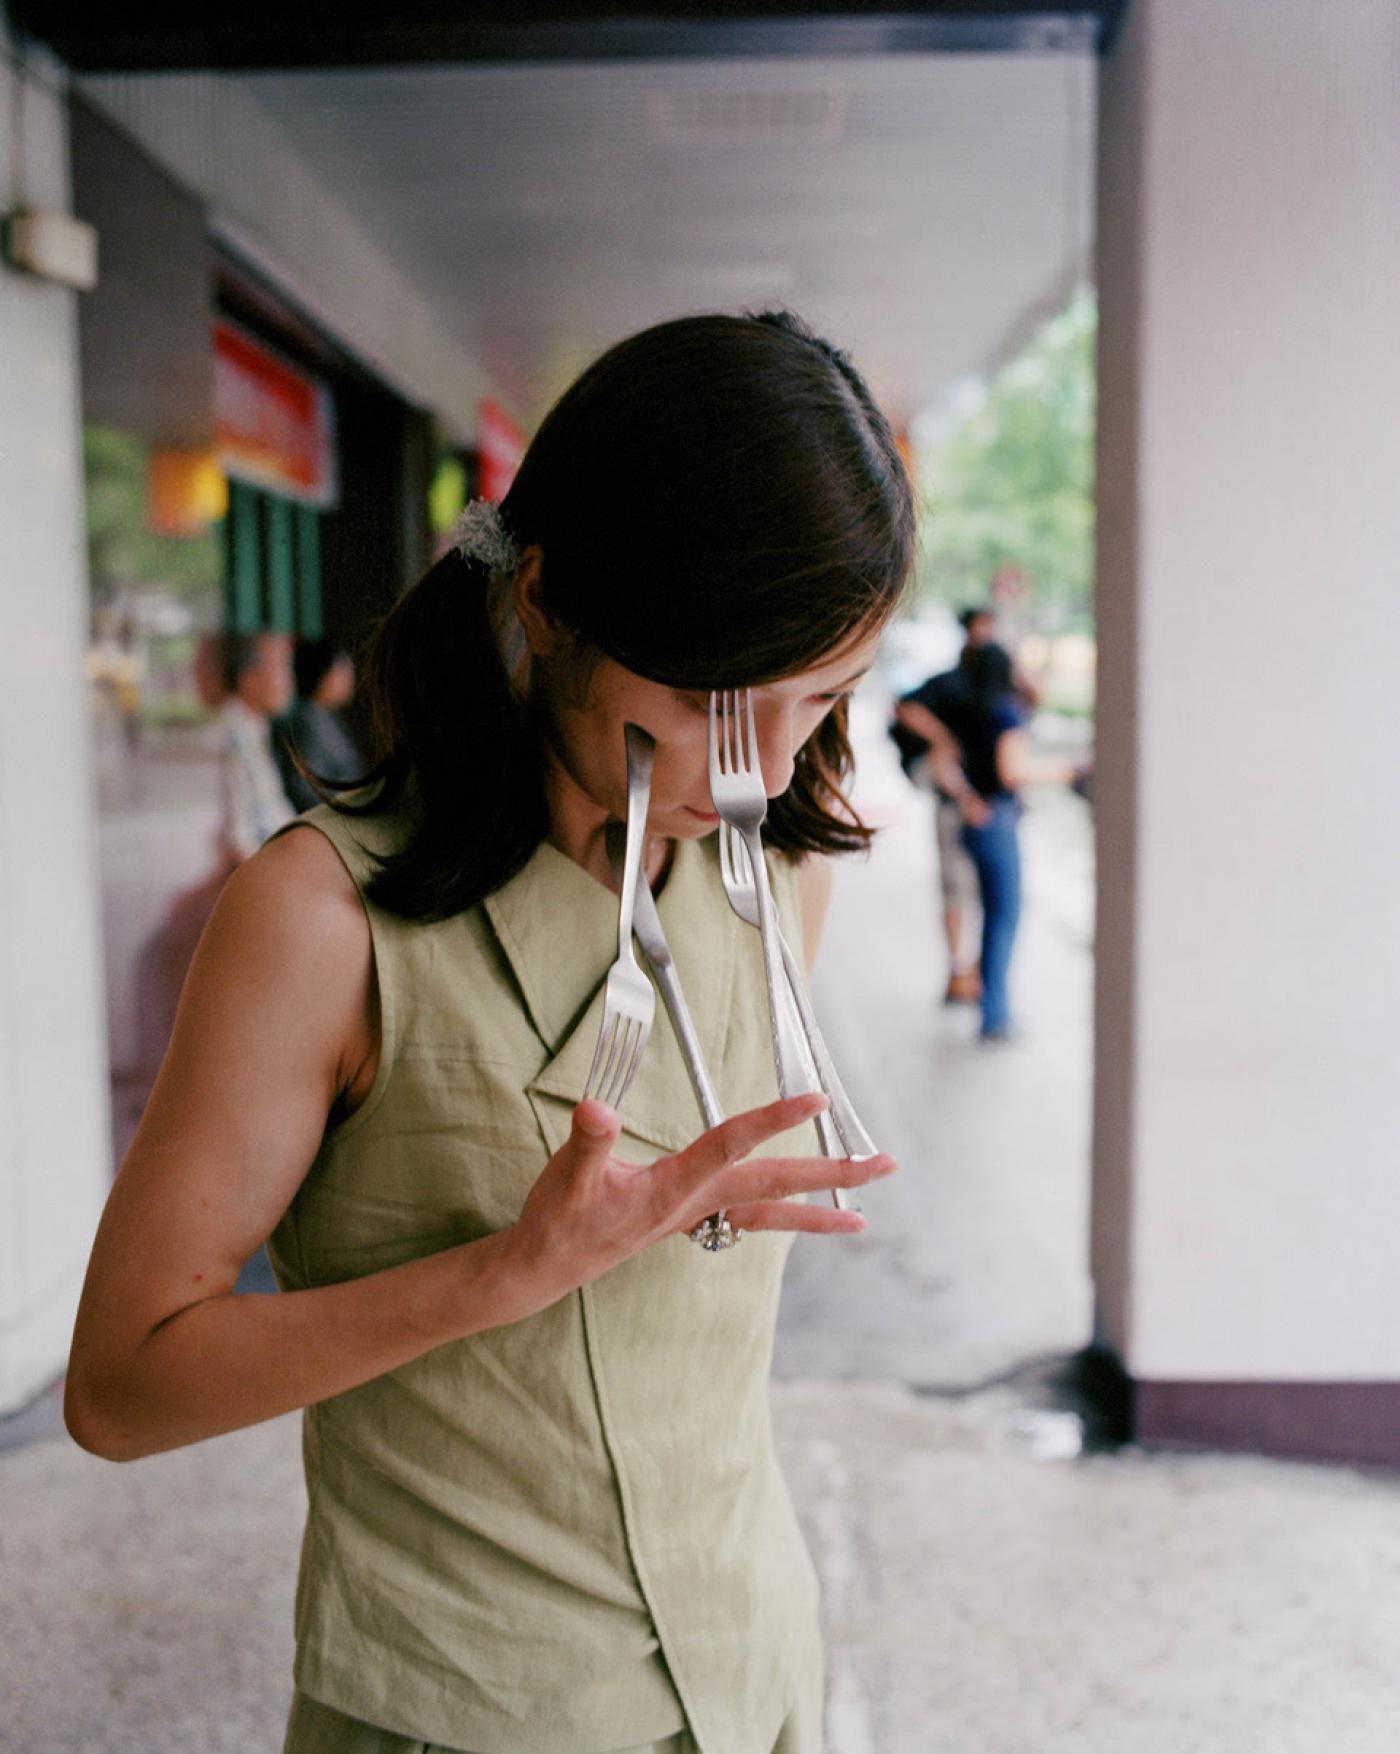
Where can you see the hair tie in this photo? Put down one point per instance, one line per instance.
(480, 534)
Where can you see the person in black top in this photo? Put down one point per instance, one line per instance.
(979, 761)
(943, 696)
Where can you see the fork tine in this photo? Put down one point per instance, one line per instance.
(607, 1090)
(606, 1034)
(617, 1058)
(637, 1041)
(714, 732)
(751, 761)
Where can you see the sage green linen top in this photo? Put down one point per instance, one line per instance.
(570, 1534)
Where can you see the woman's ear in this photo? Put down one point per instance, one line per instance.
(544, 633)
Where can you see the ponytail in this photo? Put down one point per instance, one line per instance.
(457, 747)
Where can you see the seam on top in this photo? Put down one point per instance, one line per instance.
(388, 1001)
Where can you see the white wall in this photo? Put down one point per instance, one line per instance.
(1248, 1126)
(210, 133)
(54, 1135)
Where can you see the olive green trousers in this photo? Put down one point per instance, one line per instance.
(314, 1728)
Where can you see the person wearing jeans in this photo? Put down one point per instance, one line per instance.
(979, 759)
(995, 850)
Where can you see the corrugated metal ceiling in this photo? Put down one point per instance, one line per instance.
(917, 208)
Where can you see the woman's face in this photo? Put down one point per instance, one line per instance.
(589, 728)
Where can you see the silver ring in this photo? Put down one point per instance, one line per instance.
(715, 1233)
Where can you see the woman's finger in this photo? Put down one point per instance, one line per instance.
(790, 1215)
(593, 1132)
(742, 1133)
(765, 1179)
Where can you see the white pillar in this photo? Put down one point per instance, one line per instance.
(55, 1151)
(1247, 1153)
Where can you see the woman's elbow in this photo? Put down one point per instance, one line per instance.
(92, 1427)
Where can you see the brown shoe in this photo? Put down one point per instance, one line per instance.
(963, 989)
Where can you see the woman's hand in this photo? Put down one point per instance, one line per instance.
(590, 1210)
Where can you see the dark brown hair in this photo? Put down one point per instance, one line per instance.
(717, 502)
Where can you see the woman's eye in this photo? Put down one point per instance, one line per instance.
(831, 699)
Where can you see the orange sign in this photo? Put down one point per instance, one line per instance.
(273, 425)
(186, 492)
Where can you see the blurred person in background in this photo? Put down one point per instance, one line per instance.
(242, 680)
(945, 698)
(258, 687)
(939, 699)
(313, 733)
(979, 761)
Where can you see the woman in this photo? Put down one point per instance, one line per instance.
(980, 760)
(545, 1515)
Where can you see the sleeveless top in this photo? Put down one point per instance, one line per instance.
(569, 1534)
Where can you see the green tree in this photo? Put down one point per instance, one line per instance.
(123, 553)
(1012, 484)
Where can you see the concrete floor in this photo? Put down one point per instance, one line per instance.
(979, 1599)
(989, 1588)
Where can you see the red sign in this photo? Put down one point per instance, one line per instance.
(500, 446)
(273, 425)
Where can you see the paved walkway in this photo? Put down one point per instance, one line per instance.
(974, 1259)
(978, 1600)
(988, 1589)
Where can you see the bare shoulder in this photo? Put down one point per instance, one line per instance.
(287, 953)
(294, 899)
(814, 878)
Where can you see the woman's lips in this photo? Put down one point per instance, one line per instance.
(703, 815)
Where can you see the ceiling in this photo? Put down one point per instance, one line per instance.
(150, 36)
(920, 209)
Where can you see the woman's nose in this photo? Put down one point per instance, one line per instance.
(777, 746)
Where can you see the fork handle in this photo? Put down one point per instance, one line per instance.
(700, 1080)
(855, 1141)
(797, 1070)
(787, 1059)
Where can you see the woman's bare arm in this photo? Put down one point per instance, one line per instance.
(274, 1022)
(1017, 767)
(270, 1025)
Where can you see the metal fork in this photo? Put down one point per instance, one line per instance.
(738, 794)
(737, 790)
(851, 1140)
(629, 1001)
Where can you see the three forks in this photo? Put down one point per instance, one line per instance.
(629, 1000)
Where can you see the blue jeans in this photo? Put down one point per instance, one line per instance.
(996, 852)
